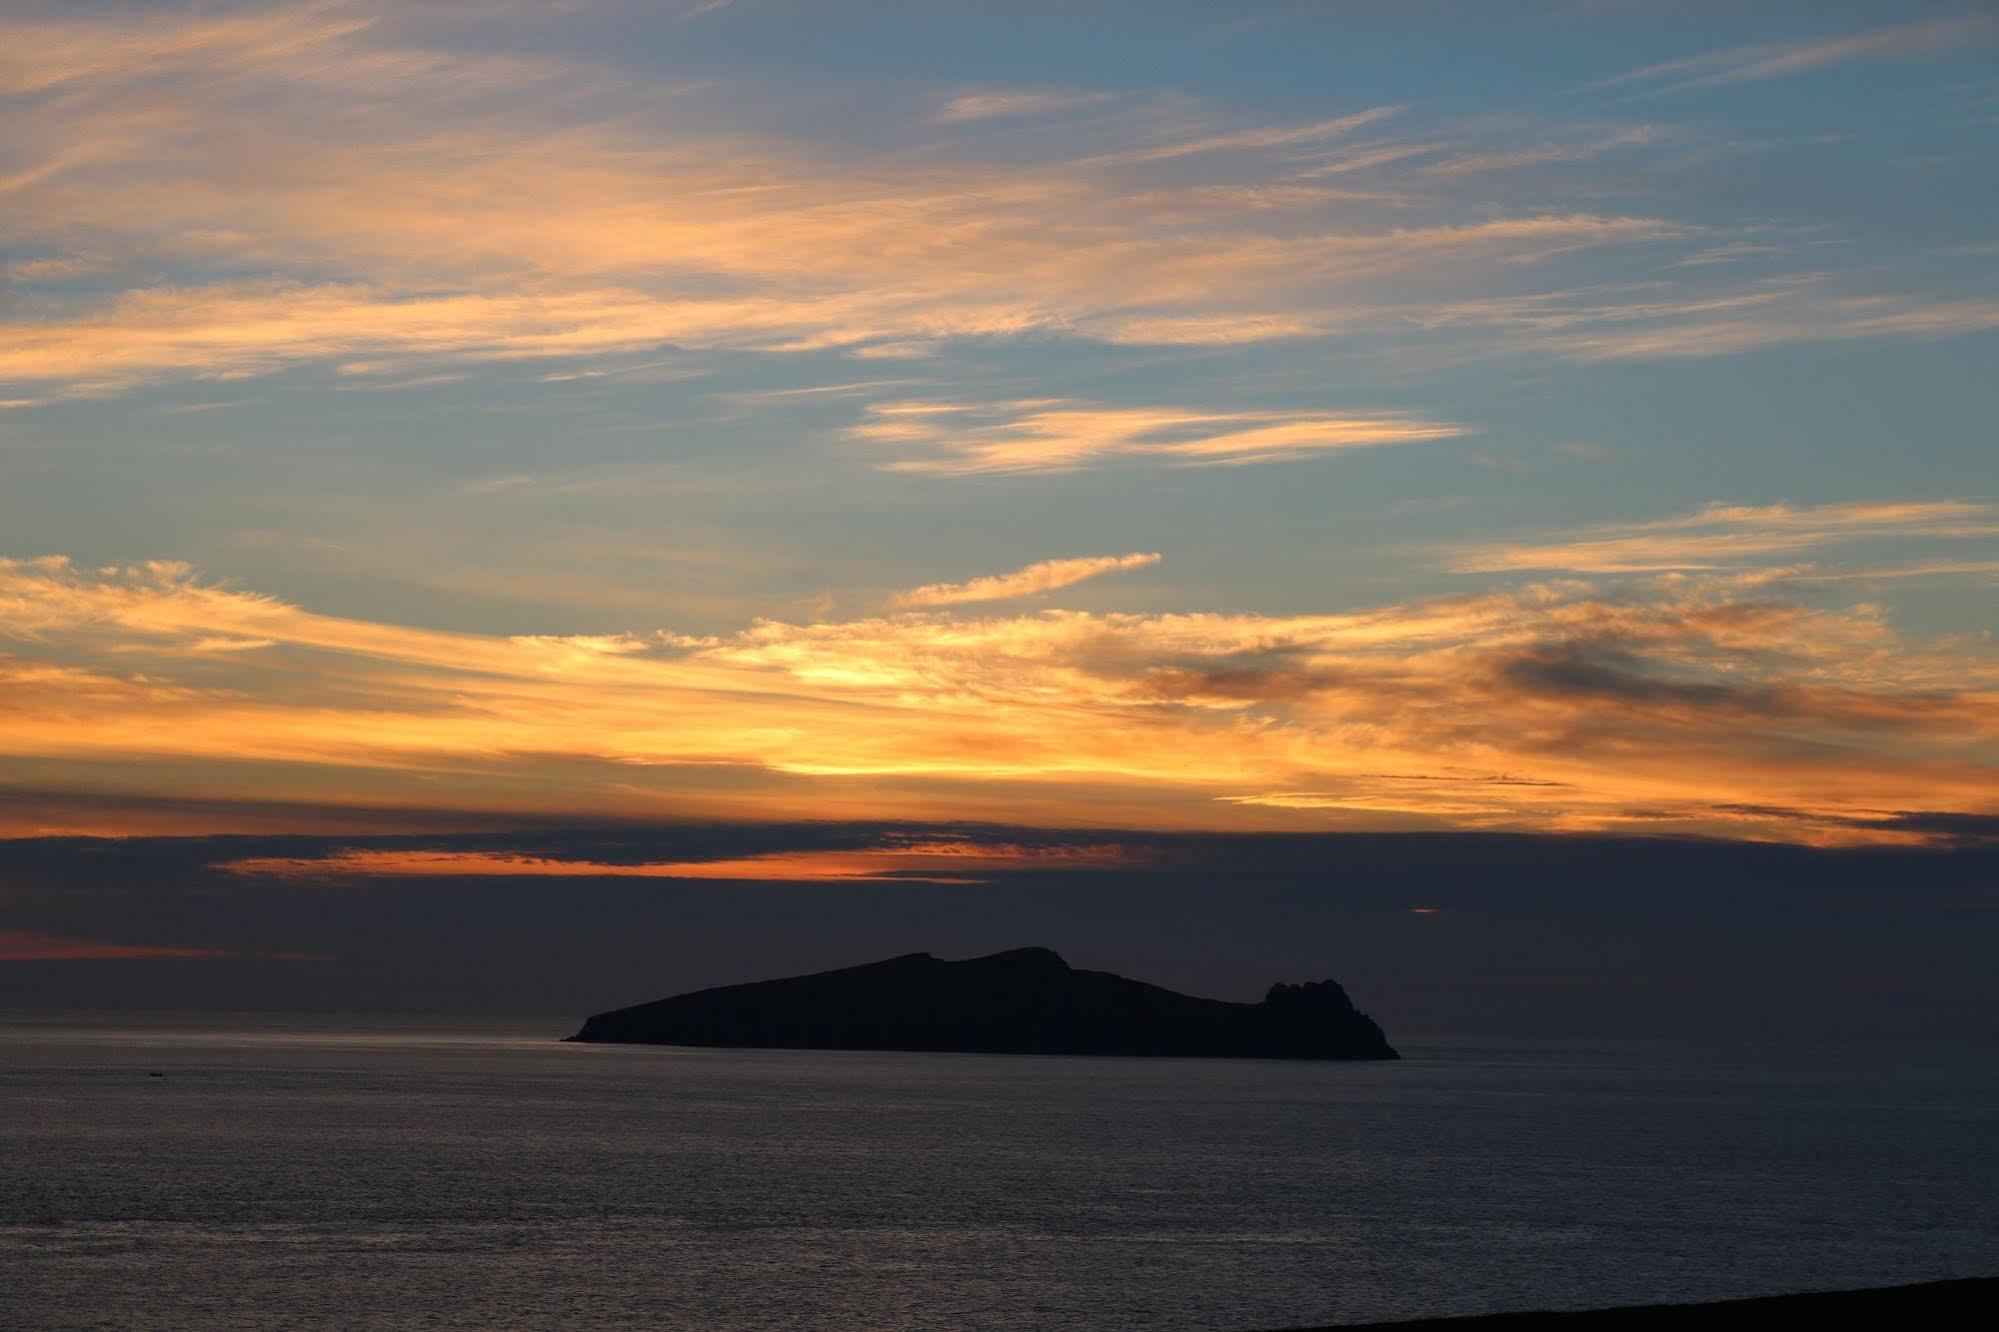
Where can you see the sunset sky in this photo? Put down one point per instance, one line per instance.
(1543, 418)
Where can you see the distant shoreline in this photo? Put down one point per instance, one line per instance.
(1935, 1306)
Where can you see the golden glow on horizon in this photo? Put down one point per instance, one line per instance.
(1690, 703)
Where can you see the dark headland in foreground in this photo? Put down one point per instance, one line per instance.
(1934, 1306)
(1027, 1001)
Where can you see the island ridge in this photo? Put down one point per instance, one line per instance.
(1024, 1001)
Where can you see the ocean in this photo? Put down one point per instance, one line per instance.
(309, 1175)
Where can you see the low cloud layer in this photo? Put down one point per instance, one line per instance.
(1726, 704)
(1464, 933)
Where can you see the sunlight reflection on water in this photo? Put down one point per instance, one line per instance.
(486, 1177)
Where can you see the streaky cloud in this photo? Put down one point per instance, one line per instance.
(981, 439)
(1248, 140)
(1770, 60)
(1019, 102)
(459, 221)
(1723, 536)
(1546, 154)
(1041, 576)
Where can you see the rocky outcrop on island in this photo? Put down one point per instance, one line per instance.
(1027, 1001)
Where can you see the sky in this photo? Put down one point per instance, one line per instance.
(1563, 421)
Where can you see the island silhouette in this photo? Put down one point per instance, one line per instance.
(1024, 1001)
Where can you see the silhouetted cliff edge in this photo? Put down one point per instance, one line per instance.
(1027, 1001)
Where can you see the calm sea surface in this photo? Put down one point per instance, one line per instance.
(312, 1177)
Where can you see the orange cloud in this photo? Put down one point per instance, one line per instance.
(1727, 535)
(969, 439)
(416, 207)
(1677, 704)
(1042, 576)
(413, 206)
(910, 862)
(48, 54)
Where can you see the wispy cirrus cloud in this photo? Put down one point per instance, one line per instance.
(490, 250)
(1827, 319)
(1041, 576)
(1644, 323)
(1732, 253)
(1546, 154)
(1723, 536)
(444, 217)
(1260, 139)
(45, 54)
(1988, 569)
(454, 219)
(972, 439)
(1771, 60)
(1015, 102)
(1214, 330)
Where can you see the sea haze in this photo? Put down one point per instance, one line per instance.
(477, 1177)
